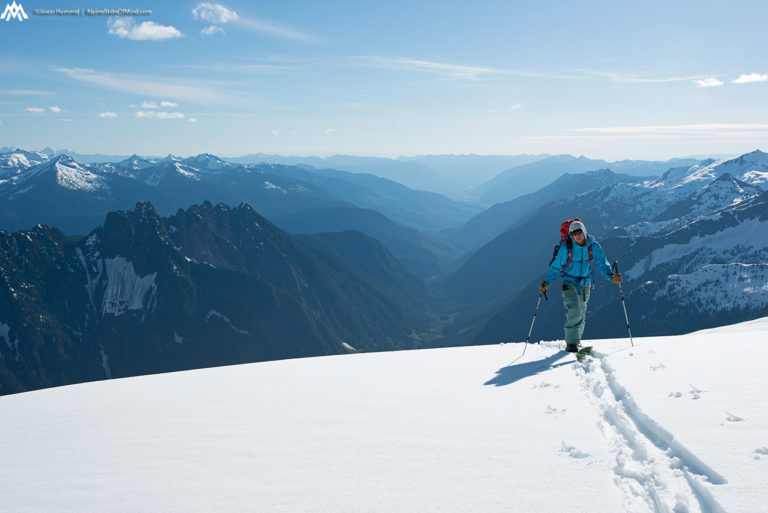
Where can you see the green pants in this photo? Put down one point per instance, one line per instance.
(575, 311)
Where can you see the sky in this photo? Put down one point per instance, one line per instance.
(611, 80)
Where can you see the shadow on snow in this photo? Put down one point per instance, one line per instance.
(512, 373)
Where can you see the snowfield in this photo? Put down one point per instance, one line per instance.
(675, 424)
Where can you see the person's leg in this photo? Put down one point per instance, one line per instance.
(584, 299)
(574, 313)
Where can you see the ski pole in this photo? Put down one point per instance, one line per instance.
(623, 303)
(533, 321)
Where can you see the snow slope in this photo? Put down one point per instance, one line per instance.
(675, 424)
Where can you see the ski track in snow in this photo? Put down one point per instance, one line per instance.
(654, 471)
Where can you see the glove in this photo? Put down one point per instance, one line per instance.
(543, 287)
(617, 278)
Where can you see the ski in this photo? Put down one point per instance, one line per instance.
(583, 352)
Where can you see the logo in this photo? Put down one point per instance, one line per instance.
(13, 11)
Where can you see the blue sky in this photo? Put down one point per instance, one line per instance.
(607, 80)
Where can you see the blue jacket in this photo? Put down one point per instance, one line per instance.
(578, 272)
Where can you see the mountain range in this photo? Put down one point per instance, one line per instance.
(58, 191)
(704, 266)
(528, 178)
(450, 175)
(210, 285)
(364, 264)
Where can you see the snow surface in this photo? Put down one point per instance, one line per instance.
(675, 424)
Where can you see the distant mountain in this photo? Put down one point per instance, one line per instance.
(13, 163)
(80, 157)
(695, 275)
(450, 175)
(75, 197)
(208, 286)
(500, 217)
(621, 209)
(419, 253)
(369, 256)
(528, 178)
(631, 220)
(411, 174)
(421, 210)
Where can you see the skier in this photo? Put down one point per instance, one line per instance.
(573, 264)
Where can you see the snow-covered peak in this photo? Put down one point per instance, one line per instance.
(170, 159)
(674, 176)
(18, 160)
(750, 168)
(70, 175)
(52, 152)
(135, 163)
(725, 191)
(186, 171)
(206, 161)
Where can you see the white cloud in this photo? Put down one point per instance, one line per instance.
(170, 115)
(65, 120)
(751, 78)
(126, 28)
(275, 30)
(55, 109)
(217, 13)
(456, 71)
(276, 133)
(691, 129)
(329, 131)
(155, 105)
(214, 13)
(443, 70)
(107, 114)
(239, 67)
(192, 120)
(708, 82)
(149, 114)
(634, 78)
(212, 30)
(35, 110)
(157, 87)
(25, 92)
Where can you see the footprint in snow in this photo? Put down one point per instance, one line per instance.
(676, 395)
(573, 452)
(733, 418)
(551, 410)
(695, 393)
(762, 451)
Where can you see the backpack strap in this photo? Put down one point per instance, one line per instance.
(569, 245)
